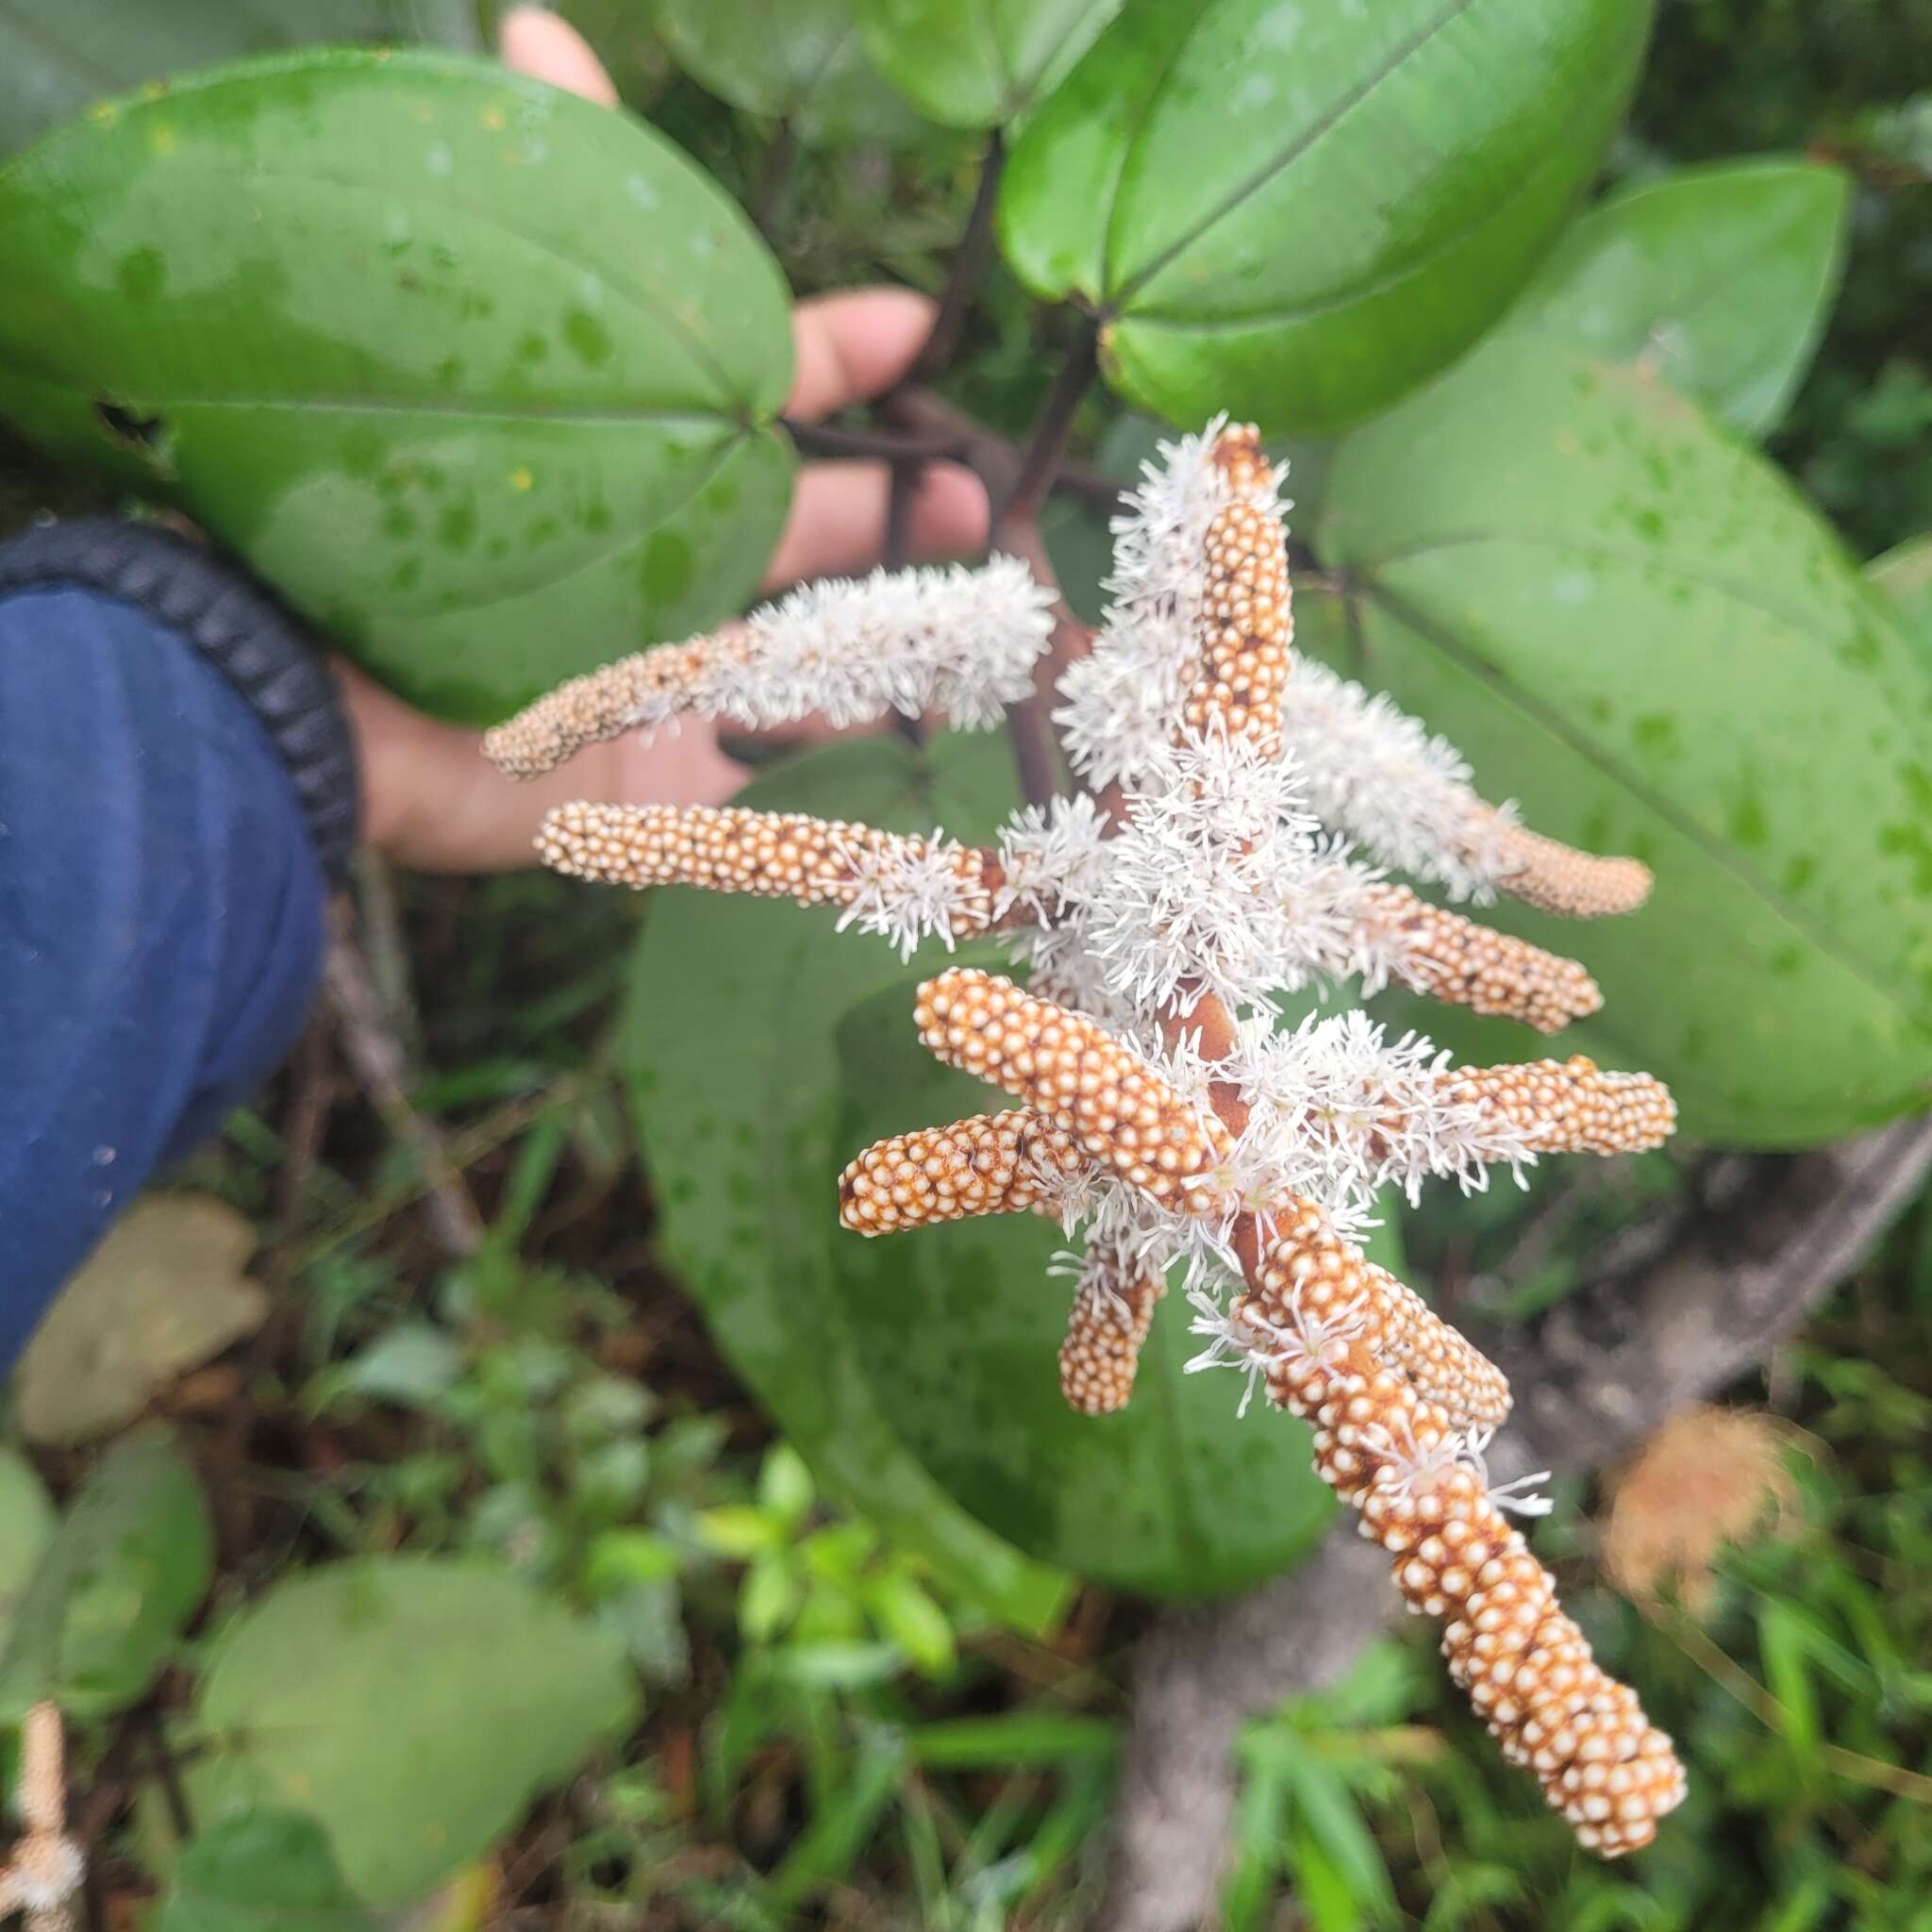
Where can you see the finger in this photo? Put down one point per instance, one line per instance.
(534, 41)
(852, 346)
(432, 802)
(838, 522)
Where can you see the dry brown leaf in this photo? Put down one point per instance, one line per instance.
(1707, 1477)
(162, 1294)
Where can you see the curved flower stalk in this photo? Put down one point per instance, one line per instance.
(1162, 1115)
(42, 1871)
(1376, 775)
(960, 642)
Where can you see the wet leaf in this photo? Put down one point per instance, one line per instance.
(162, 1294)
(918, 1372)
(53, 61)
(1632, 624)
(1904, 577)
(803, 63)
(978, 63)
(114, 1587)
(1718, 278)
(1298, 213)
(317, 1700)
(480, 376)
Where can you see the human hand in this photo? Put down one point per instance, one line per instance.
(433, 803)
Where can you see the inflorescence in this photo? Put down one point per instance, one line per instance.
(1225, 849)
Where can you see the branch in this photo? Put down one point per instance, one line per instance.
(373, 1051)
(1601, 1372)
(969, 260)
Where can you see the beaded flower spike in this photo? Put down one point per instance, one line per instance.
(1205, 868)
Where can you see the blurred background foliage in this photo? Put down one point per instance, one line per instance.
(833, 1728)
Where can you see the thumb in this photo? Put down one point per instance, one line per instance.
(536, 41)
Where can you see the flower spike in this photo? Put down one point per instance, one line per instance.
(961, 642)
(999, 1163)
(1374, 774)
(1118, 1107)
(1113, 1309)
(1161, 1112)
(1319, 1318)
(906, 888)
(1454, 960)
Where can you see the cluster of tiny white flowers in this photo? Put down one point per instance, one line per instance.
(1190, 892)
(1362, 1111)
(905, 896)
(1120, 702)
(1053, 855)
(957, 641)
(1374, 772)
(1219, 878)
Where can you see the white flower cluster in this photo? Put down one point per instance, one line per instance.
(960, 642)
(1121, 700)
(1372, 773)
(1355, 1112)
(910, 891)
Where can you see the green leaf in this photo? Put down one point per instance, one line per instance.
(738, 1529)
(1904, 577)
(803, 63)
(785, 1485)
(120, 1577)
(260, 1871)
(412, 1705)
(1298, 213)
(916, 1372)
(1634, 626)
(480, 376)
(27, 1523)
(1013, 1739)
(1719, 278)
(53, 61)
(162, 1294)
(909, 1617)
(978, 63)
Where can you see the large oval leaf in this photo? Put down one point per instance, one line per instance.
(1634, 625)
(1719, 278)
(803, 65)
(53, 61)
(1904, 577)
(1299, 212)
(115, 1586)
(764, 1050)
(412, 1706)
(480, 376)
(978, 63)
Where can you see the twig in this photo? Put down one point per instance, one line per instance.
(161, 1755)
(835, 440)
(968, 262)
(373, 1051)
(1601, 1372)
(1040, 461)
(1036, 747)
